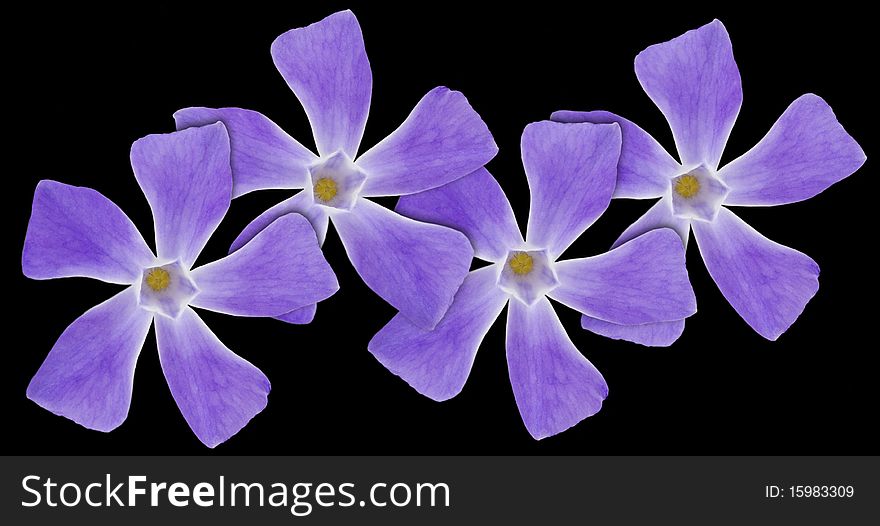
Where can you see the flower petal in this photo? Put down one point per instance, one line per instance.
(554, 385)
(658, 216)
(645, 167)
(437, 362)
(263, 155)
(188, 183)
(442, 140)
(767, 283)
(572, 170)
(805, 152)
(416, 267)
(660, 334)
(279, 270)
(300, 316)
(301, 203)
(326, 66)
(695, 82)
(88, 375)
(476, 206)
(76, 231)
(217, 391)
(642, 281)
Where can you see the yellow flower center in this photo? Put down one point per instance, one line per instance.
(687, 186)
(325, 189)
(158, 279)
(521, 263)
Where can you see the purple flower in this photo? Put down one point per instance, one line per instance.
(571, 170)
(416, 267)
(76, 231)
(695, 82)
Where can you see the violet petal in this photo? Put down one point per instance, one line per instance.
(474, 205)
(805, 152)
(301, 203)
(642, 281)
(188, 183)
(572, 170)
(88, 375)
(554, 385)
(300, 316)
(442, 140)
(416, 267)
(217, 391)
(437, 362)
(645, 167)
(658, 216)
(263, 155)
(659, 334)
(279, 270)
(76, 231)
(326, 66)
(695, 82)
(767, 283)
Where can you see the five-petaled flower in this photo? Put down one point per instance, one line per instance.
(695, 82)
(416, 267)
(571, 170)
(75, 231)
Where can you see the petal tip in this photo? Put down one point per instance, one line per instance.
(345, 16)
(559, 115)
(819, 101)
(302, 316)
(774, 333)
(661, 334)
(190, 116)
(434, 392)
(94, 425)
(492, 146)
(540, 432)
(215, 131)
(212, 441)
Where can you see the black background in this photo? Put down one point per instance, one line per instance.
(87, 82)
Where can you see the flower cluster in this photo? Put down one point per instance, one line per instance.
(418, 257)
(695, 82)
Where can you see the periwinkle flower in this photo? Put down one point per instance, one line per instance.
(416, 267)
(695, 82)
(77, 232)
(571, 170)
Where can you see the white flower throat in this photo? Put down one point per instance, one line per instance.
(527, 275)
(166, 289)
(336, 181)
(697, 194)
